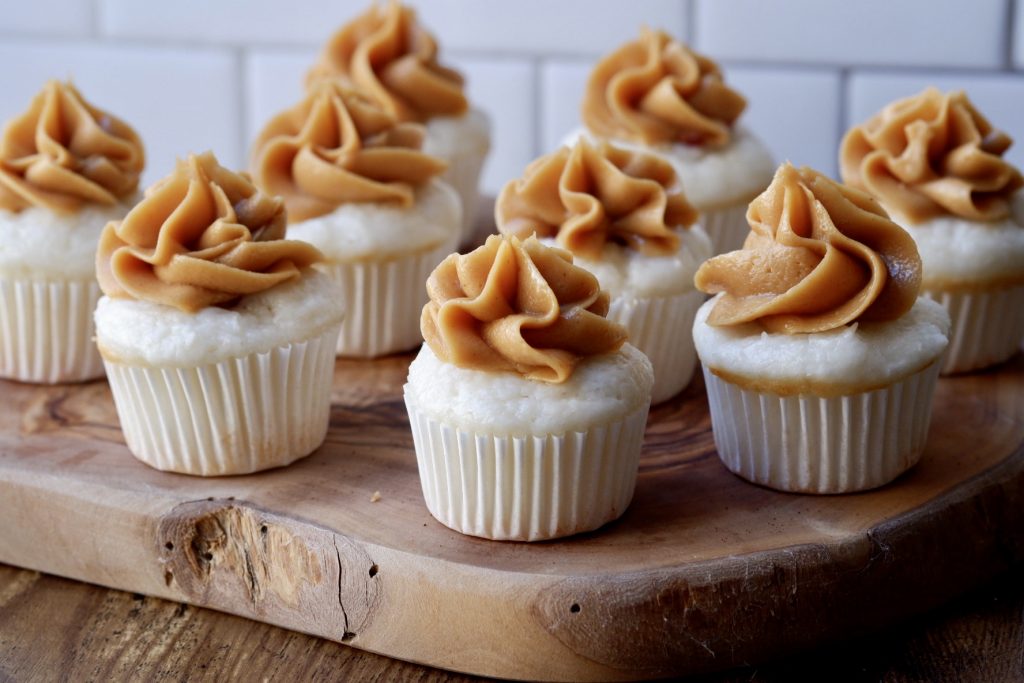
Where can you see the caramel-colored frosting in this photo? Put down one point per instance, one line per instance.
(656, 90)
(589, 195)
(387, 54)
(64, 153)
(203, 236)
(931, 155)
(517, 306)
(820, 255)
(336, 147)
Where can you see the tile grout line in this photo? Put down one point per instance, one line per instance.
(242, 107)
(842, 117)
(1010, 17)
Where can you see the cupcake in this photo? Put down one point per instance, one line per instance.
(621, 214)
(386, 54)
(819, 357)
(656, 94)
(358, 187)
(217, 335)
(66, 170)
(936, 165)
(527, 407)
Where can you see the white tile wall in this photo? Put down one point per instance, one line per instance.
(63, 18)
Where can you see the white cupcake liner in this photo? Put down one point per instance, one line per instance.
(463, 174)
(383, 301)
(241, 415)
(527, 488)
(810, 444)
(46, 331)
(987, 327)
(662, 327)
(726, 226)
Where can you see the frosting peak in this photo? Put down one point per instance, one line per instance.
(589, 195)
(517, 306)
(202, 236)
(656, 90)
(64, 153)
(336, 147)
(386, 53)
(930, 155)
(820, 255)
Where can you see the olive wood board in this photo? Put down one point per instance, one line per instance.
(704, 571)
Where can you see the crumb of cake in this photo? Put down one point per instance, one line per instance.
(375, 497)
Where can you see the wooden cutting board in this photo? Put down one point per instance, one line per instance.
(703, 572)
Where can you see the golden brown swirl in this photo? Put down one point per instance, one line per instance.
(930, 155)
(202, 236)
(517, 306)
(656, 90)
(336, 147)
(589, 195)
(820, 255)
(64, 153)
(388, 55)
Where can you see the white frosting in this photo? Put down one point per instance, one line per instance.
(145, 333)
(601, 389)
(452, 136)
(712, 177)
(40, 243)
(627, 272)
(857, 354)
(372, 231)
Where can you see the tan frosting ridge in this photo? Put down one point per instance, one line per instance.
(656, 90)
(517, 306)
(202, 236)
(64, 153)
(589, 195)
(386, 53)
(336, 147)
(931, 155)
(820, 255)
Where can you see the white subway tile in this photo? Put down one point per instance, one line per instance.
(897, 32)
(273, 82)
(561, 92)
(1018, 34)
(62, 18)
(178, 100)
(1000, 98)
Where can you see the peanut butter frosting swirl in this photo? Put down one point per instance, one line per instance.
(64, 153)
(931, 155)
(336, 147)
(656, 90)
(517, 306)
(203, 236)
(589, 195)
(820, 255)
(386, 53)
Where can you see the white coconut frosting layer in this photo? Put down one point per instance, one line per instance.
(451, 136)
(601, 389)
(144, 333)
(372, 231)
(712, 177)
(38, 243)
(861, 354)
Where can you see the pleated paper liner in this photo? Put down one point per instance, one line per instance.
(810, 444)
(987, 326)
(238, 416)
(527, 488)
(661, 327)
(726, 226)
(383, 301)
(46, 331)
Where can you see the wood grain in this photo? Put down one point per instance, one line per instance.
(702, 573)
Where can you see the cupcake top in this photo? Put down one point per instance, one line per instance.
(517, 306)
(932, 155)
(656, 90)
(202, 236)
(387, 54)
(590, 195)
(820, 255)
(336, 147)
(65, 154)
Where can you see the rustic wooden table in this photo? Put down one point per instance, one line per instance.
(55, 629)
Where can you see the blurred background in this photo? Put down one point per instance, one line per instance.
(207, 74)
